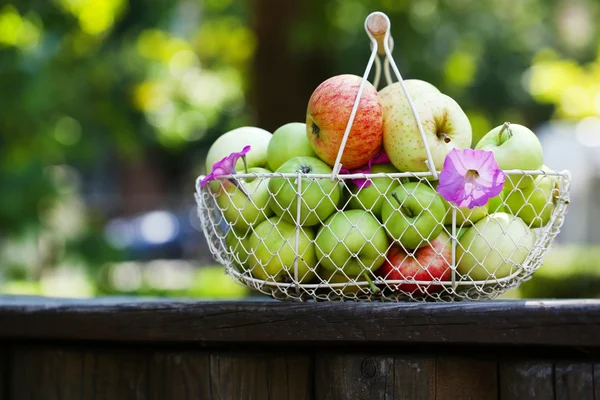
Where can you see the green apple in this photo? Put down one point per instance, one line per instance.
(246, 203)
(320, 197)
(288, 141)
(371, 197)
(349, 289)
(496, 204)
(413, 214)
(515, 147)
(534, 204)
(237, 245)
(353, 241)
(494, 247)
(272, 256)
(234, 141)
(445, 125)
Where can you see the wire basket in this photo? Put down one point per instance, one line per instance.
(307, 236)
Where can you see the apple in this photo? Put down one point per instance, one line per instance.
(320, 196)
(327, 115)
(236, 244)
(534, 204)
(494, 247)
(349, 289)
(496, 204)
(415, 87)
(514, 147)
(370, 198)
(445, 125)
(353, 241)
(288, 141)
(413, 213)
(235, 140)
(272, 251)
(428, 263)
(245, 205)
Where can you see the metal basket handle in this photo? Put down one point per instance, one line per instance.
(377, 26)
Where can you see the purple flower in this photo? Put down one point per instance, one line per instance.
(470, 177)
(379, 158)
(225, 167)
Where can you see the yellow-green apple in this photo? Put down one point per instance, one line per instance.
(320, 196)
(237, 246)
(413, 214)
(515, 147)
(272, 254)
(351, 286)
(534, 204)
(445, 125)
(428, 263)
(288, 141)
(496, 204)
(232, 141)
(415, 87)
(327, 115)
(353, 241)
(371, 197)
(243, 202)
(494, 247)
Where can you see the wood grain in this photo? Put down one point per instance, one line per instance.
(557, 323)
(415, 377)
(464, 378)
(257, 376)
(46, 374)
(343, 376)
(574, 381)
(526, 379)
(179, 375)
(4, 368)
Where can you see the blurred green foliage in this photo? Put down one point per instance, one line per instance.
(87, 82)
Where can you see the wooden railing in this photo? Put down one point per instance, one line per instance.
(161, 349)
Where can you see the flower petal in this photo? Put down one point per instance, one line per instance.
(465, 189)
(226, 166)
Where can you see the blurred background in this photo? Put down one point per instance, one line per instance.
(108, 109)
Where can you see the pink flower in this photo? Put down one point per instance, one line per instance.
(379, 158)
(470, 178)
(226, 166)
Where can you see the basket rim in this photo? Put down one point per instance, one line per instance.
(533, 172)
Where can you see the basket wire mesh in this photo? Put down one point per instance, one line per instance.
(306, 236)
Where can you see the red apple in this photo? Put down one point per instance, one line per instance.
(327, 115)
(427, 263)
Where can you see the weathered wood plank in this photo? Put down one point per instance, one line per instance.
(414, 377)
(462, 378)
(179, 375)
(526, 379)
(59, 374)
(345, 376)
(258, 376)
(46, 374)
(115, 374)
(558, 323)
(574, 380)
(4, 354)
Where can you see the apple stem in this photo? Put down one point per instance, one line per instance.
(404, 210)
(374, 288)
(505, 127)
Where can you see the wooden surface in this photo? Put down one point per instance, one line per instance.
(557, 323)
(131, 349)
